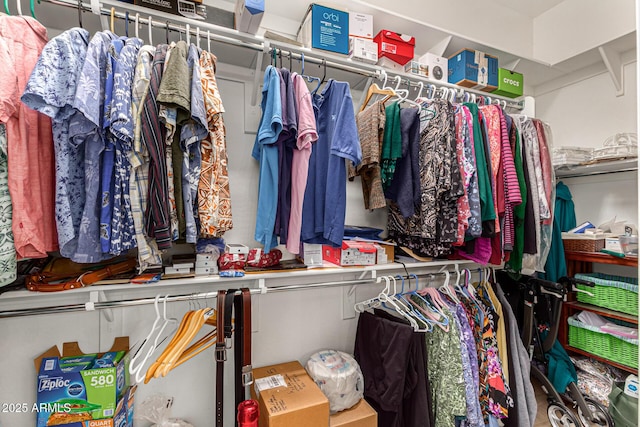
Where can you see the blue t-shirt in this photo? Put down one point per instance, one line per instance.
(325, 197)
(266, 151)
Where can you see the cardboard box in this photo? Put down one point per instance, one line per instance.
(361, 25)
(474, 69)
(248, 14)
(100, 389)
(311, 254)
(325, 28)
(437, 67)
(289, 397)
(236, 248)
(352, 252)
(395, 46)
(385, 253)
(363, 50)
(361, 415)
(510, 83)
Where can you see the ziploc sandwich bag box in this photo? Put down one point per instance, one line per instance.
(97, 389)
(325, 28)
(474, 69)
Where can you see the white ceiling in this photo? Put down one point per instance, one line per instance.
(530, 8)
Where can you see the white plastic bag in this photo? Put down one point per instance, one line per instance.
(339, 377)
(157, 409)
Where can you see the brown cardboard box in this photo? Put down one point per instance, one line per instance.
(361, 415)
(300, 403)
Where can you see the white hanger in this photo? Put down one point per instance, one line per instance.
(150, 22)
(198, 37)
(208, 41)
(188, 34)
(136, 20)
(133, 368)
(19, 7)
(140, 374)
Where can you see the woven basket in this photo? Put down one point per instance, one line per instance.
(607, 346)
(613, 292)
(583, 245)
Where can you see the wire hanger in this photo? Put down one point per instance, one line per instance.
(324, 76)
(166, 31)
(126, 24)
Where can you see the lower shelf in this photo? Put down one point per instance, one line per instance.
(601, 359)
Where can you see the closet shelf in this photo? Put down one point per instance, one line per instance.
(311, 278)
(601, 168)
(602, 359)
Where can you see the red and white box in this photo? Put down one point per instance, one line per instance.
(395, 46)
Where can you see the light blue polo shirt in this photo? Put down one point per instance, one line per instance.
(266, 151)
(325, 197)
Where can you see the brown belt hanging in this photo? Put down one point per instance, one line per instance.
(242, 351)
(221, 357)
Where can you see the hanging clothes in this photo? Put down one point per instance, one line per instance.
(265, 150)
(193, 131)
(157, 221)
(122, 131)
(148, 252)
(371, 128)
(391, 144)
(307, 136)
(564, 219)
(61, 61)
(394, 369)
(8, 264)
(86, 130)
(31, 173)
(214, 194)
(325, 201)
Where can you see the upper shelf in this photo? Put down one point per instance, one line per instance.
(601, 168)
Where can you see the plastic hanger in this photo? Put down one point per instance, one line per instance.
(208, 41)
(133, 367)
(411, 309)
(126, 24)
(19, 7)
(6, 7)
(136, 21)
(398, 307)
(112, 22)
(32, 8)
(80, 13)
(166, 31)
(188, 34)
(198, 37)
(324, 75)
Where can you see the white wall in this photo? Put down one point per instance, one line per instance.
(586, 113)
(575, 26)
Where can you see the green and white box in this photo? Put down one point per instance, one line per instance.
(510, 83)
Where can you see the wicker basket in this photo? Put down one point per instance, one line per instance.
(617, 293)
(607, 346)
(583, 245)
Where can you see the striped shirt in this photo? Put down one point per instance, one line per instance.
(153, 136)
(511, 186)
(148, 252)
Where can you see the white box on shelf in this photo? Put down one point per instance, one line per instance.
(361, 25)
(206, 271)
(363, 50)
(312, 254)
(236, 248)
(204, 257)
(203, 264)
(437, 66)
(390, 64)
(248, 15)
(174, 270)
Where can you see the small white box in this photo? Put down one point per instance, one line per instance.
(613, 244)
(206, 271)
(361, 25)
(312, 254)
(390, 64)
(236, 248)
(248, 14)
(363, 50)
(182, 265)
(204, 264)
(204, 257)
(437, 66)
(173, 270)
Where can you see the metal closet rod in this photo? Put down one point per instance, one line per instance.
(105, 305)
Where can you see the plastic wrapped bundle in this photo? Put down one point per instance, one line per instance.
(339, 377)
